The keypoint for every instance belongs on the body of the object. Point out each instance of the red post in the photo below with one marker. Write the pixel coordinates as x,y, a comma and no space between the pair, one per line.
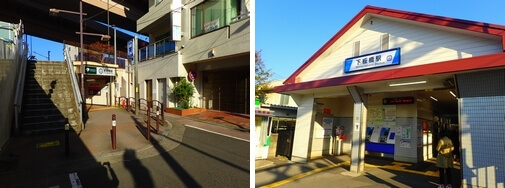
123,103
148,121
113,131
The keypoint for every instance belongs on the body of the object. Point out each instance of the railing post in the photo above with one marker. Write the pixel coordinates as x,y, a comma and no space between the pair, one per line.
163,112
148,122
67,145
157,118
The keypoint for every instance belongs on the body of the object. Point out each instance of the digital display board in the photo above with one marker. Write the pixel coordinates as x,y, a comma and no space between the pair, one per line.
398,100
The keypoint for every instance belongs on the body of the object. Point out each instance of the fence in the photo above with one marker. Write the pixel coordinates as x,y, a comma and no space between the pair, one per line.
151,109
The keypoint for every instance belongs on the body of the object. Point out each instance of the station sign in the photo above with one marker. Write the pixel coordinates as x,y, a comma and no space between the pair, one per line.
100,71
130,50
373,60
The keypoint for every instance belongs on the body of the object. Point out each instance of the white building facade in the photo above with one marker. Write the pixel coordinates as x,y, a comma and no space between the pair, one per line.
395,79
206,42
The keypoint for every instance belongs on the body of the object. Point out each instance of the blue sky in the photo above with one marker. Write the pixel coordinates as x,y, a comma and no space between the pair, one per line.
289,32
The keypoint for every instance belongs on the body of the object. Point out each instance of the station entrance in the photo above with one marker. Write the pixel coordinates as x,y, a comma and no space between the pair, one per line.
403,124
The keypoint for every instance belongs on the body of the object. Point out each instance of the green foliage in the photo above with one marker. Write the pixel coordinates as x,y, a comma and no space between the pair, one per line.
183,90
262,78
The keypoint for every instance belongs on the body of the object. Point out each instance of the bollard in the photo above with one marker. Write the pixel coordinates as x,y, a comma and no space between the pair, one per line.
148,122
157,119
67,145
113,131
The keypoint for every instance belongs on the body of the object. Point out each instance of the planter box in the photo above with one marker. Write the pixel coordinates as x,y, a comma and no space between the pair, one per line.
185,112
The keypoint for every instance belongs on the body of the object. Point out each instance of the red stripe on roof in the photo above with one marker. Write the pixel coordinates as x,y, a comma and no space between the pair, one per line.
424,18
467,64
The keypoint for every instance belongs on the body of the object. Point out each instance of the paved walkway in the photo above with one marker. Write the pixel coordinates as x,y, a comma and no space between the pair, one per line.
330,171
35,155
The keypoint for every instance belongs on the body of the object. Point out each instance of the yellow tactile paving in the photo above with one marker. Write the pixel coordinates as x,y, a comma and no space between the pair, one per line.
398,166
302,175
93,109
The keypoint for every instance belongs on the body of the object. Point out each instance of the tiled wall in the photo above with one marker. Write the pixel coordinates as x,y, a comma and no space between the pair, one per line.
482,128
483,141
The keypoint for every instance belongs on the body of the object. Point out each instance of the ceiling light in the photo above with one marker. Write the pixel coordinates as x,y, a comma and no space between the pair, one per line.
435,99
407,83
452,93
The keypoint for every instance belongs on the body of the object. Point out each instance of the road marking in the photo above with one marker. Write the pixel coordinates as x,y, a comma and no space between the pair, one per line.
305,174
74,180
216,132
47,144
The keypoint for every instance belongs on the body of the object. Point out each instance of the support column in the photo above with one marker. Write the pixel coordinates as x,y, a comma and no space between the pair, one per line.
359,128
302,142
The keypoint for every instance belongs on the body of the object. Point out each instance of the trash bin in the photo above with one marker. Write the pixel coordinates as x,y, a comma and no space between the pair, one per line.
337,146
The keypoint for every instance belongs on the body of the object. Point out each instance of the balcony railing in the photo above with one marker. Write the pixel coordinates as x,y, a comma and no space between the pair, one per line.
157,49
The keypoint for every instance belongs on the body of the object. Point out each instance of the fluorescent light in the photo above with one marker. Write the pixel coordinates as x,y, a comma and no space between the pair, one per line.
407,83
452,93
435,99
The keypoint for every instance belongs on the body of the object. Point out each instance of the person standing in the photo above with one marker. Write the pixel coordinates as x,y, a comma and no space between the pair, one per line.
445,160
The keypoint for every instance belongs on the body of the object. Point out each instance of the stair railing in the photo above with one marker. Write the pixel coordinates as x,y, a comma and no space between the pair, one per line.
21,54
75,87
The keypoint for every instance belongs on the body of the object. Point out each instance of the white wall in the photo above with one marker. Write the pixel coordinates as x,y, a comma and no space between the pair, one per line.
419,45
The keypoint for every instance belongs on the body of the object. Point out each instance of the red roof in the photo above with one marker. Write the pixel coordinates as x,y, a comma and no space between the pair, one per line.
424,18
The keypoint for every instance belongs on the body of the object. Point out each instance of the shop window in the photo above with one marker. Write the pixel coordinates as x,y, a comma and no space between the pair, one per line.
213,14
356,48
385,42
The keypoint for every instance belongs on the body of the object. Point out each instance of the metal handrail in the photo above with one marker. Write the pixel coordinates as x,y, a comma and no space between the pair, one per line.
21,57
75,86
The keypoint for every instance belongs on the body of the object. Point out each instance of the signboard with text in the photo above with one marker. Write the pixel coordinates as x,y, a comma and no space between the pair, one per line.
101,71
130,49
373,60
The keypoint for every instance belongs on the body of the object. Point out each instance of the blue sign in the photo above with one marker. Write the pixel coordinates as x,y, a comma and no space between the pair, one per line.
373,60
130,49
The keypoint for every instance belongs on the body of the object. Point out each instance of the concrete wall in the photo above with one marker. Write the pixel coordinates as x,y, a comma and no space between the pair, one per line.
8,75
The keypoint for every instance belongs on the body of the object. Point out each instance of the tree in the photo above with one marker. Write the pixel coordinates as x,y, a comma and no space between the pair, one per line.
262,78
183,91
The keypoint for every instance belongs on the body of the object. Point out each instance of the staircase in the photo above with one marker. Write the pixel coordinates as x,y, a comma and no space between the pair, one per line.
48,98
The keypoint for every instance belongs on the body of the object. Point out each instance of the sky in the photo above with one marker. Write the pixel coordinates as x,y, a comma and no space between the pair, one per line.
287,33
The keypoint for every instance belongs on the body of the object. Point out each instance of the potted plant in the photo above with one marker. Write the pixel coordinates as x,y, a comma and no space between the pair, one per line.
183,91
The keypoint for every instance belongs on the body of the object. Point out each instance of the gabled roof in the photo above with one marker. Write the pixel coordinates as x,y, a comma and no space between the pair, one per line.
480,27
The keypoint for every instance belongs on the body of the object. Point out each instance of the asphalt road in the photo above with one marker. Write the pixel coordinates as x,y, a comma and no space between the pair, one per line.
203,159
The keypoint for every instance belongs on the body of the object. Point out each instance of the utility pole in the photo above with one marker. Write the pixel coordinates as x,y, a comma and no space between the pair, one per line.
136,79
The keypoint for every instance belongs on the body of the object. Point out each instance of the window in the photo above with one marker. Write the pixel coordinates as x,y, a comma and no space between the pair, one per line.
384,41
356,48
284,100
212,15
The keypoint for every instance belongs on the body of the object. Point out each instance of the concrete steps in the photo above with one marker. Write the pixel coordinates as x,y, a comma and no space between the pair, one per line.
48,98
